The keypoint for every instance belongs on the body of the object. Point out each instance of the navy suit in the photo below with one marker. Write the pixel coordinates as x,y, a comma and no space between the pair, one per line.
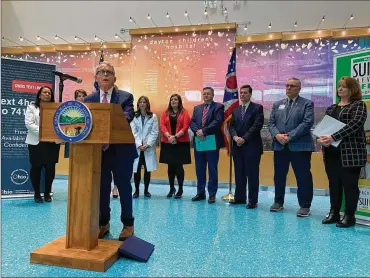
297,124
247,157
215,117
117,159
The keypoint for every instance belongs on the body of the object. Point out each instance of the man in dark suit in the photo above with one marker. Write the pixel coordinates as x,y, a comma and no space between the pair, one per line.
290,126
116,158
245,129
207,120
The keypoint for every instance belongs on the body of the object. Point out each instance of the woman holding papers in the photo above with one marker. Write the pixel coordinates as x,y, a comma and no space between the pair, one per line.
175,143
145,130
344,162
41,154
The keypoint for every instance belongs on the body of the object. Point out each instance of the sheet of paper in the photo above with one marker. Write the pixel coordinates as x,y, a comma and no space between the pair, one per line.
328,126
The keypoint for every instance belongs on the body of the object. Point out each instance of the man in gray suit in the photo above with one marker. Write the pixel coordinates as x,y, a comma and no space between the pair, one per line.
290,126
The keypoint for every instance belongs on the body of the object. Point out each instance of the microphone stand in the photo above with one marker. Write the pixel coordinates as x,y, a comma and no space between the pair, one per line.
61,88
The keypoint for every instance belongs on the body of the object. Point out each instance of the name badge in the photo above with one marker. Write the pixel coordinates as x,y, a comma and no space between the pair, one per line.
281,107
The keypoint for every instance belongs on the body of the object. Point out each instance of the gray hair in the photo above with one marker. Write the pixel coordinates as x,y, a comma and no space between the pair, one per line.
296,79
105,64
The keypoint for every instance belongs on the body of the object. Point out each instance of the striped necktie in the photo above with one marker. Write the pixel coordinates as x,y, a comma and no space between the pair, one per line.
243,111
204,116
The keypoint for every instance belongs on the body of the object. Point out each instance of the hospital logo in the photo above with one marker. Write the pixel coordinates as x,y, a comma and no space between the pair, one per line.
72,121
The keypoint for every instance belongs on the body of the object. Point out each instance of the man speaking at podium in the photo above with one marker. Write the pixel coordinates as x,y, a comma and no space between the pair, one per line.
116,158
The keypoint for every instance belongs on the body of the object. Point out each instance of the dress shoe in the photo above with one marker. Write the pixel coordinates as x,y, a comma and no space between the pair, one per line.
179,193
251,206
198,197
126,232
136,194
38,199
347,221
171,192
103,230
276,207
211,199
47,199
332,217
147,194
237,202
303,212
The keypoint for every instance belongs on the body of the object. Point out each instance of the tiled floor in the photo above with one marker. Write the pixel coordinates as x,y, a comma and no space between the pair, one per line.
197,239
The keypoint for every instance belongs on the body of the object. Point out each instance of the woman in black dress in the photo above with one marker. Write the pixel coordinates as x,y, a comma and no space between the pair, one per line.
41,154
175,143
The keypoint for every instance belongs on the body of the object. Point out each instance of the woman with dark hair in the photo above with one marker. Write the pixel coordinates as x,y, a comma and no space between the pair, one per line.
343,163
41,154
175,143
145,130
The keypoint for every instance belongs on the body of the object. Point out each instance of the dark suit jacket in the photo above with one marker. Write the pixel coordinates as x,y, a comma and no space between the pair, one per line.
297,124
215,117
249,128
353,144
126,100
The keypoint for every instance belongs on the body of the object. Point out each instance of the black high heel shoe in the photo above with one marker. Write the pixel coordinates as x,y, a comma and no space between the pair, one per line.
179,193
48,199
38,199
171,193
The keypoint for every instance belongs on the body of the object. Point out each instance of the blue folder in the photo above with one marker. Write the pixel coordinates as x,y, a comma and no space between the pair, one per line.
208,144
136,248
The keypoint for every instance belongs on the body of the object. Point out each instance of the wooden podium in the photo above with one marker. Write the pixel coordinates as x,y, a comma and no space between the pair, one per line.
81,248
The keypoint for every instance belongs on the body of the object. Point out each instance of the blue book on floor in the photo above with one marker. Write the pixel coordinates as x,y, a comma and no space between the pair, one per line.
136,248
208,144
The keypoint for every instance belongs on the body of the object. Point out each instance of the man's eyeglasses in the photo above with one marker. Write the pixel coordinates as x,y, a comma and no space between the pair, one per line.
105,72
291,86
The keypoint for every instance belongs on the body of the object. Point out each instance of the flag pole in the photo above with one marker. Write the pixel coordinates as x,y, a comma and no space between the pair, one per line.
229,197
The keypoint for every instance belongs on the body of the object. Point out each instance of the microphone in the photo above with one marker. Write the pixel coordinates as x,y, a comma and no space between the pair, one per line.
67,76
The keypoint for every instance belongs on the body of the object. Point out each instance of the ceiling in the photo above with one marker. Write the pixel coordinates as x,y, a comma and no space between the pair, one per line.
86,19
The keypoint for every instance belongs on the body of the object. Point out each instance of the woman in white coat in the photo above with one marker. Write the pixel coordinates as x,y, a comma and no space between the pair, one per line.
145,130
41,154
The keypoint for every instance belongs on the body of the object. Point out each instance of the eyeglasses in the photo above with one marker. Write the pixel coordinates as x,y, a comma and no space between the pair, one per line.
105,72
291,86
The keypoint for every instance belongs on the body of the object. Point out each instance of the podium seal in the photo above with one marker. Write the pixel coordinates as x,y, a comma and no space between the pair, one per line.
72,121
